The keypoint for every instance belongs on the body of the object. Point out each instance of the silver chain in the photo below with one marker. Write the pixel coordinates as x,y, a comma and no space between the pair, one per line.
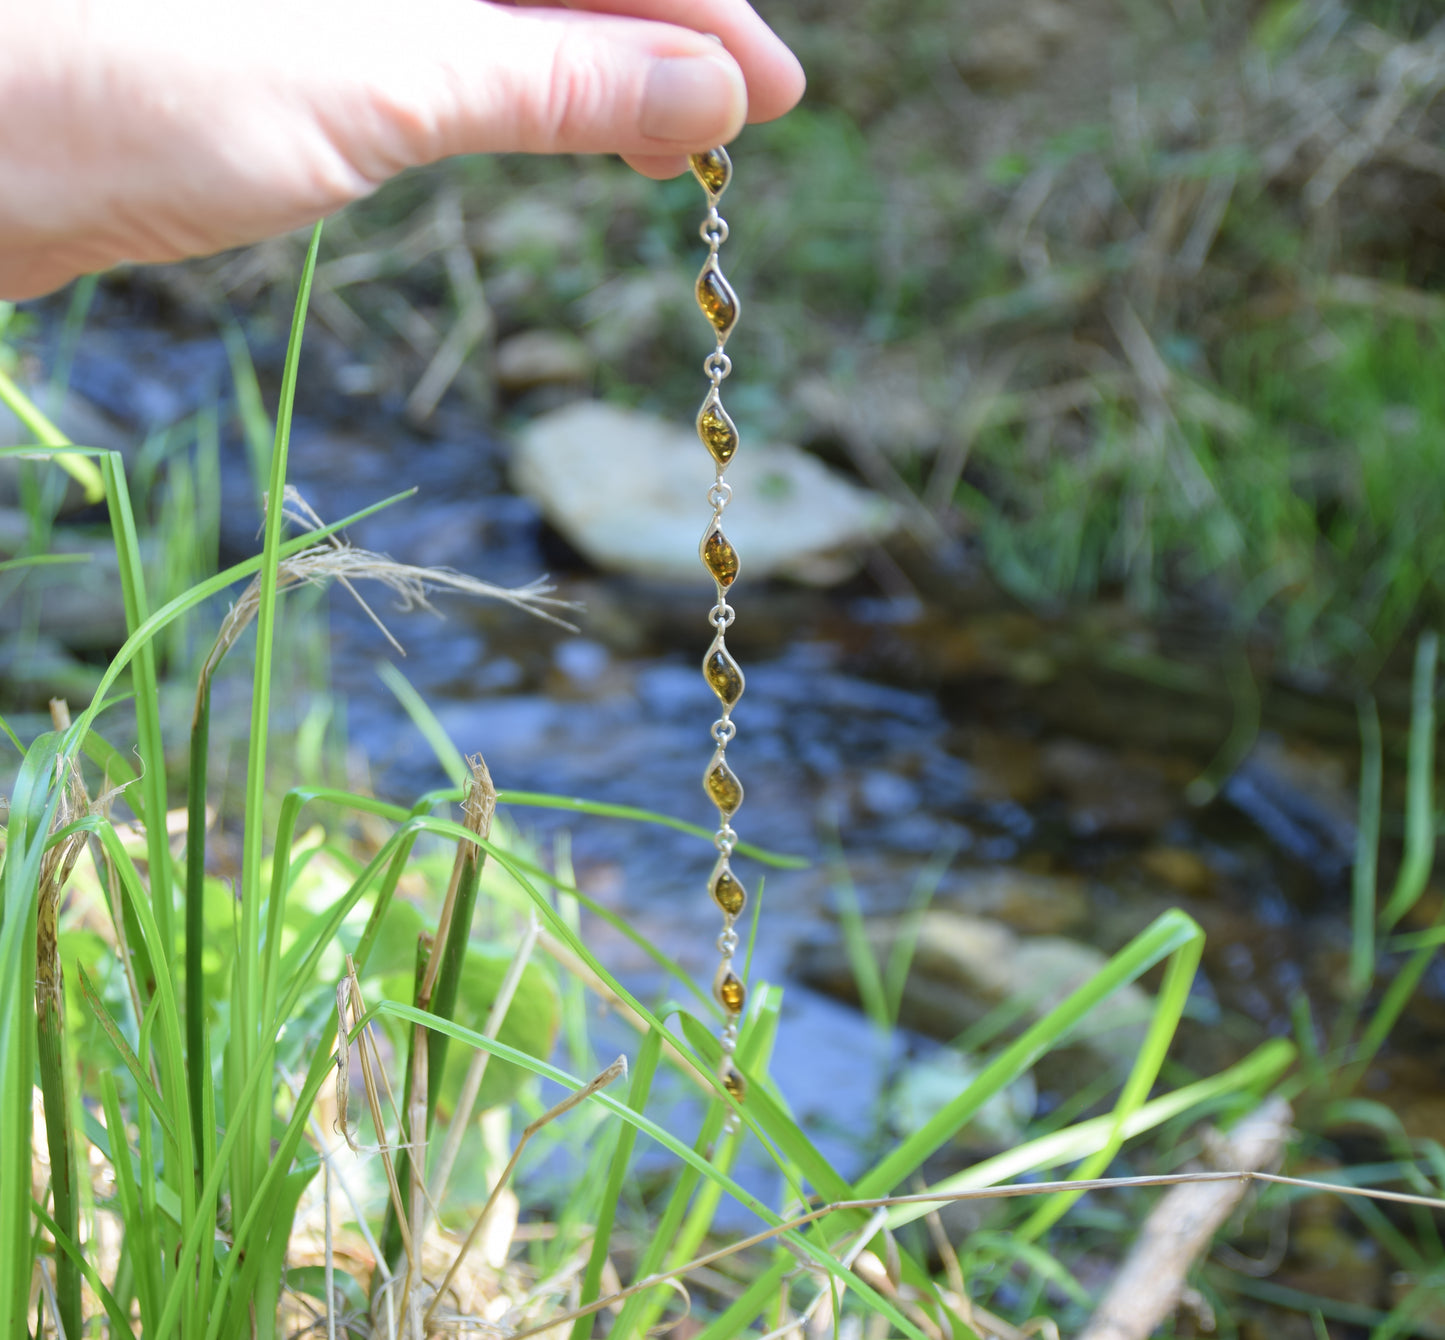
721,307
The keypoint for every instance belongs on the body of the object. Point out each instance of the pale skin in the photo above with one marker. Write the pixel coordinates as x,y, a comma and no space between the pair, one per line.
153,130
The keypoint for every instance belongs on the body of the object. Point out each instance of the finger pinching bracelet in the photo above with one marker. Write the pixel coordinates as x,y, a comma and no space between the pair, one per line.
720,436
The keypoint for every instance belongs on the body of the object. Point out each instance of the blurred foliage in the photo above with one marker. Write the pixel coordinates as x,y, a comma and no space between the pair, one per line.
1121,298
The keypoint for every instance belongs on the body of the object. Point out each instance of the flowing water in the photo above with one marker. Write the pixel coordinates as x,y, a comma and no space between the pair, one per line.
1056,771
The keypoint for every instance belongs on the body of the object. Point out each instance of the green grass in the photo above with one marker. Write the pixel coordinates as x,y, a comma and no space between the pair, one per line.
1291,464
218,1025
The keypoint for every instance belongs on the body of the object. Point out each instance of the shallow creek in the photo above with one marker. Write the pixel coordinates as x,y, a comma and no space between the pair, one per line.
1054,765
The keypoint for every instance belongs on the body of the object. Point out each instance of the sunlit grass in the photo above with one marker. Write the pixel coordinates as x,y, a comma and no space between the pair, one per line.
220,1019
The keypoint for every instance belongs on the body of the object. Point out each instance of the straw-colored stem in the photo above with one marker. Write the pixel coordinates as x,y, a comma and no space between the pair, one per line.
54,1089
616,1069
438,984
51,1049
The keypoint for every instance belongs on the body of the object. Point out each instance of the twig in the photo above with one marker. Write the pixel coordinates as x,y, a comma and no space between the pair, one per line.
825,1294
1008,1191
355,1005
615,1070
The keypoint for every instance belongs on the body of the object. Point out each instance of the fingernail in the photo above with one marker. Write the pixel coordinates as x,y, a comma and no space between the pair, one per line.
691,99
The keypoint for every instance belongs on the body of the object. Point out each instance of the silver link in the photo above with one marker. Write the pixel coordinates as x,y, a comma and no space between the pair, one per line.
714,230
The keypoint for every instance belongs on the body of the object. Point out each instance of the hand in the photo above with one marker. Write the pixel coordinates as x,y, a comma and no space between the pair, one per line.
151,130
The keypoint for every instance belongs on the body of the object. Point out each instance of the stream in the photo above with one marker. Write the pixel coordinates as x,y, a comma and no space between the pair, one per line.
1050,768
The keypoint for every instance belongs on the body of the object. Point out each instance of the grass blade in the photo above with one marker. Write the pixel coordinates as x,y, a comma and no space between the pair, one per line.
197,775
140,1227
147,699
150,1095
1257,1071
1170,934
252,1155
681,1244
425,720
56,1082
1420,788
859,948
75,464
1367,853
35,799
43,561
813,1250
119,1322
538,800
1169,1009
645,1069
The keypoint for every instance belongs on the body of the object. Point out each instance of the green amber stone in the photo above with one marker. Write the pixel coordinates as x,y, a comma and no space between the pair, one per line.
716,298
718,432
722,785
733,1081
726,889
714,169
722,673
731,994
719,557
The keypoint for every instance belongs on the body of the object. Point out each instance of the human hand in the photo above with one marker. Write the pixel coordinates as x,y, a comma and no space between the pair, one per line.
151,130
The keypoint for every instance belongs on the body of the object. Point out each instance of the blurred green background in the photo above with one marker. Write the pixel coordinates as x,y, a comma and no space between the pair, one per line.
1115,298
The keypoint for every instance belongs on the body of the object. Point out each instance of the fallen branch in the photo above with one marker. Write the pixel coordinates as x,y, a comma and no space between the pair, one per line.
1151,1281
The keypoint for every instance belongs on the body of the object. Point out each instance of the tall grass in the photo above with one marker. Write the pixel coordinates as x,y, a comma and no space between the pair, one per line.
212,1025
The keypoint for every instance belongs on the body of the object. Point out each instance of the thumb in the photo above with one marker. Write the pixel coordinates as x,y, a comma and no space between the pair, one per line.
479,78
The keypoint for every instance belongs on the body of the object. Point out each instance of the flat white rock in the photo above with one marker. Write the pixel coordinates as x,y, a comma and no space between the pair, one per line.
629,491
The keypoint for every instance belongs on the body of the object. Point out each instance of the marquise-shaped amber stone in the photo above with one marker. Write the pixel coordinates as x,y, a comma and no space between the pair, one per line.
714,169
723,674
726,889
731,994
718,432
733,1081
716,298
722,785
719,557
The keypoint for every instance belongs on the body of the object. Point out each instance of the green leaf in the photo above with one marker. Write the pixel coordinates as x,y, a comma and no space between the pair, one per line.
75,464
123,1049
311,1280
530,1026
